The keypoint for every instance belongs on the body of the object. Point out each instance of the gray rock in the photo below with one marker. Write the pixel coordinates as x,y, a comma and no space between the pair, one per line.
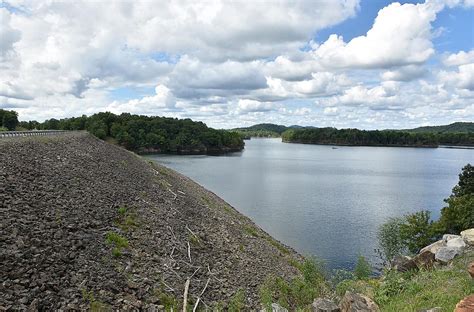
457,242
434,247
446,254
448,237
275,308
352,302
468,236
324,305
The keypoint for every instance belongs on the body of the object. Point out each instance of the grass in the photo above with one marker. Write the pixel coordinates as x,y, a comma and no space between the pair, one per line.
414,291
94,304
127,219
237,302
299,293
117,241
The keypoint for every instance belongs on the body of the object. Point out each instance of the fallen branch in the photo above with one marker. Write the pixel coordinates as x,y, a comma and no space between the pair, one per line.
200,295
185,300
192,233
175,195
189,252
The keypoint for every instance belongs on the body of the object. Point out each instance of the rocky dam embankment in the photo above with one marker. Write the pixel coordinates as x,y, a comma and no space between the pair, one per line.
86,224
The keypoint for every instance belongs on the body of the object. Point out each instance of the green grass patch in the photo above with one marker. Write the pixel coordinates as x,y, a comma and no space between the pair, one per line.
116,239
299,293
413,291
237,302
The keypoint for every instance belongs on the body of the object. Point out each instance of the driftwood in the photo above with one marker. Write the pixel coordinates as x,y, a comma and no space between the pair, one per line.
185,300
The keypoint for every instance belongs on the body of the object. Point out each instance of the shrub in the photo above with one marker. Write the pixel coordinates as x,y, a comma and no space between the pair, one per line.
362,270
389,239
416,230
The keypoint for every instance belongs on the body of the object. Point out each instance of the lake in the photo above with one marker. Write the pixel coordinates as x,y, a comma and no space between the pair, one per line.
325,201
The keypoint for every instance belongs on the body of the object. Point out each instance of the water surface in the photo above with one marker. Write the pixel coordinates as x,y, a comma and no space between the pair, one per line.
326,201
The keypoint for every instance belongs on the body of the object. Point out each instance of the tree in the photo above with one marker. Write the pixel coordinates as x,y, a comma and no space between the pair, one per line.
9,119
459,214
416,230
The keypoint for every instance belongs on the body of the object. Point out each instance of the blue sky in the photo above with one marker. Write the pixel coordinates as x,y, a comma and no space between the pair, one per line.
232,64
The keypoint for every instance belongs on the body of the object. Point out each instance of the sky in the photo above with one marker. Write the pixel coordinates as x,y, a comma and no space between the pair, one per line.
368,64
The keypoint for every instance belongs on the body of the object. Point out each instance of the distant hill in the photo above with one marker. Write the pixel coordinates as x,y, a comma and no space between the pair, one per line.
457,127
262,130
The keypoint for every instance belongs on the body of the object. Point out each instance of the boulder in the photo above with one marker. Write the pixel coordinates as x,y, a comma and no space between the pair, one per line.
468,236
448,237
352,302
275,308
470,269
457,242
324,305
434,247
424,260
465,305
446,254
403,264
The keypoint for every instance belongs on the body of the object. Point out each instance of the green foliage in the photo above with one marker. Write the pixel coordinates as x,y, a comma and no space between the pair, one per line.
122,210
300,291
392,284
8,119
375,137
237,302
389,239
456,127
416,231
363,269
157,134
459,214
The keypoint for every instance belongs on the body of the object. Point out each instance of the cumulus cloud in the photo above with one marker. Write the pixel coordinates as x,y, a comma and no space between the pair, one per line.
463,78
227,63
459,58
400,35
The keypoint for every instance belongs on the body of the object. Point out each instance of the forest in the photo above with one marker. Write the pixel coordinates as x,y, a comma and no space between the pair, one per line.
146,134
377,137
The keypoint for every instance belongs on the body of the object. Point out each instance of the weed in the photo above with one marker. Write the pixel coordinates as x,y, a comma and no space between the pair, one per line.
194,240
116,239
122,210
251,231
116,252
237,302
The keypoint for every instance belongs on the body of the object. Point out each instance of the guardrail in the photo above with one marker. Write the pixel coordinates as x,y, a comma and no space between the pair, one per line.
9,134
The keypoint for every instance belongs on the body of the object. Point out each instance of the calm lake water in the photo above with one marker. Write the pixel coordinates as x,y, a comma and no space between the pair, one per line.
323,201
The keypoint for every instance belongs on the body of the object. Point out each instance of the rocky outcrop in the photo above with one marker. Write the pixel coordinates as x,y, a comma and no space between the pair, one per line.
324,305
465,305
468,236
352,302
470,269
404,264
83,223
433,248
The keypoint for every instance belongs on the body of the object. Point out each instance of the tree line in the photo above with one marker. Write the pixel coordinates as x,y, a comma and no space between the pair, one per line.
148,134
376,137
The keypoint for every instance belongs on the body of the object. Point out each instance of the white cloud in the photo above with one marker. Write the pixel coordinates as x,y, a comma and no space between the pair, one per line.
226,63
401,35
459,58
245,106
149,105
463,78
404,73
